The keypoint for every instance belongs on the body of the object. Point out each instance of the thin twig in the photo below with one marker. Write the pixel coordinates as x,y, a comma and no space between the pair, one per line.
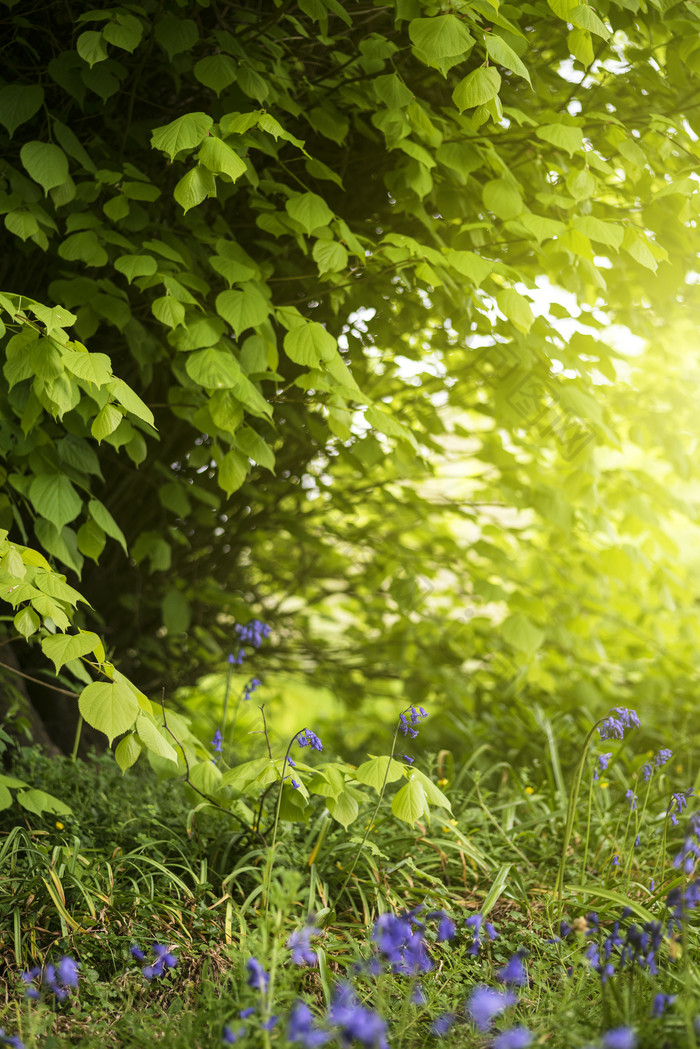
38,681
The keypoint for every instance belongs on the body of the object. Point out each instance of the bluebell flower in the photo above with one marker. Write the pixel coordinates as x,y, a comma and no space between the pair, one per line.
614,725
257,977
307,738
164,960
620,1038
690,851
647,770
295,784
253,633
637,842
299,943
515,1038
485,1003
663,757
603,762
356,1022
270,1023
442,1024
292,764
137,953
230,1036
418,995
402,945
631,799
446,929
10,1039
30,991
661,1003
408,759
475,922
513,972
250,687
245,1013
302,1028
217,740
616,861
68,972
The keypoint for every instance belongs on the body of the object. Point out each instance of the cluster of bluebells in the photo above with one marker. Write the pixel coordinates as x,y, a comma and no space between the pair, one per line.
678,803
401,944
299,943
476,922
250,687
59,980
164,960
690,852
614,725
601,765
649,767
407,725
259,980
307,738
253,633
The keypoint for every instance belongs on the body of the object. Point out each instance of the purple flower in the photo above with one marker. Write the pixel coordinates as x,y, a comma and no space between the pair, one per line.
270,1024
303,1029
245,1013
307,738
68,972
253,633
10,1039
442,1024
164,960
402,945
356,1022
513,972
603,762
299,943
661,1003
474,922
216,742
620,1038
257,977
230,1036
408,759
515,1038
484,1003
446,929
295,784
418,995
631,799
137,953
292,764
663,756
250,687
614,725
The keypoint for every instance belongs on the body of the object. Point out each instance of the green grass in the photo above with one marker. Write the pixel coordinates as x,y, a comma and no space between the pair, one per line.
141,862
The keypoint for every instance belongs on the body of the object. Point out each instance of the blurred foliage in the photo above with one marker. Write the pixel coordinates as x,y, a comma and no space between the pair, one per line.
354,283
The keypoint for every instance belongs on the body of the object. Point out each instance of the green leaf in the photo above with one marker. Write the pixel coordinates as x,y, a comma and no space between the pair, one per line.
27,622
243,309
184,133
91,540
218,157
124,32
101,516
39,802
410,803
130,400
439,37
581,47
581,184
499,51
478,88
522,634
176,611
55,498
309,344
194,187
136,266
84,247
61,648
153,740
330,256
563,136
432,792
233,470
45,163
214,369
584,17
516,308
604,232
18,104
109,706
251,444
91,47
205,776
372,772
127,751
344,809
105,422
503,198
168,311
470,265
216,72
91,367
176,35
309,210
